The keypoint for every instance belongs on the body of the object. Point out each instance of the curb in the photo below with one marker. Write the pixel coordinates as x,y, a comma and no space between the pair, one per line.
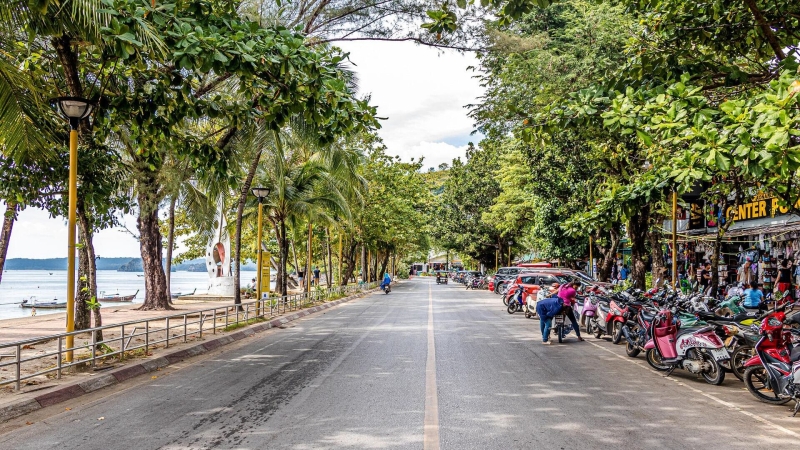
72,391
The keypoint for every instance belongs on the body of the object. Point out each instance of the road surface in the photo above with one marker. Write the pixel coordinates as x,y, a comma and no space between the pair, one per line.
427,366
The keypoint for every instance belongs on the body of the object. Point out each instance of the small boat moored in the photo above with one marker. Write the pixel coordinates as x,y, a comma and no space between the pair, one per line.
175,295
117,298
33,302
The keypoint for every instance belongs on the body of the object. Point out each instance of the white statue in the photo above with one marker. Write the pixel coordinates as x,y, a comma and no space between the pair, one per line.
218,259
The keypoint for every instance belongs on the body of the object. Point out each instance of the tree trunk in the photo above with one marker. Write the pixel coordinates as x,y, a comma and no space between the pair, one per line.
349,261
637,232
83,290
89,275
170,244
237,238
656,250
9,218
766,30
156,296
294,256
384,265
283,244
609,254
329,268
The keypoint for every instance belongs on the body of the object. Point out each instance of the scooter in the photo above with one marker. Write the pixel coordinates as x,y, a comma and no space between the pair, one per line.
387,288
561,327
515,300
530,303
588,312
608,320
772,375
636,331
699,351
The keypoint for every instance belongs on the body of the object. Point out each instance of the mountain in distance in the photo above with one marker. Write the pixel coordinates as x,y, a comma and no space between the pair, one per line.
118,264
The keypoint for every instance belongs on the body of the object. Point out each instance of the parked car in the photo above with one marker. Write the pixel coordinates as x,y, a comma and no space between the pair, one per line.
502,277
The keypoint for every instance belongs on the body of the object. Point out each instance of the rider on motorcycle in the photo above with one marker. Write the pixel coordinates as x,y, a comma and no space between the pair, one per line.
567,294
386,280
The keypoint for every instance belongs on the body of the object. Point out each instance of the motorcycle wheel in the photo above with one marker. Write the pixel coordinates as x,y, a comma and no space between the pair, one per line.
598,333
512,308
502,289
632,350
757,382
527,315
738,358
654,359
717,375
560,333
505,300
617,336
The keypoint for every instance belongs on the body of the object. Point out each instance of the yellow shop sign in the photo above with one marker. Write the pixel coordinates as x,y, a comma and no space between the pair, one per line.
759,207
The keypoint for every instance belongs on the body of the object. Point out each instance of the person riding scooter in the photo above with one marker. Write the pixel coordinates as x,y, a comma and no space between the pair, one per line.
387,280
547,309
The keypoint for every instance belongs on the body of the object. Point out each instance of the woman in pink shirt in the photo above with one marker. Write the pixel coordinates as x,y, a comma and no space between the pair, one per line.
567,294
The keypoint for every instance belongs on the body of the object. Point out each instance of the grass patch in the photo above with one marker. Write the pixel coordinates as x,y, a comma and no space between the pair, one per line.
244,323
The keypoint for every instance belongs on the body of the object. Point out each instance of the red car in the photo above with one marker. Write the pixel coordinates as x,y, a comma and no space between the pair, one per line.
531,281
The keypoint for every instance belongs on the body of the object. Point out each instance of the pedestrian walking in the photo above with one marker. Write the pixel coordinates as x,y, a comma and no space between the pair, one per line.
567,294
316,276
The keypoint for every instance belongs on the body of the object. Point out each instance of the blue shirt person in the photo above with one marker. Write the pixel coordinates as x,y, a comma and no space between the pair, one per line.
547,309
753,297
386,280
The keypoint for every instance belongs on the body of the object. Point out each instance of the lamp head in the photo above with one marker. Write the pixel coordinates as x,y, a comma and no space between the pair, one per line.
260,193
74,109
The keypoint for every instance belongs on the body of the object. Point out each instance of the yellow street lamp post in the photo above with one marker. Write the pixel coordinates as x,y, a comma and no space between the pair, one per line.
74,109
260,194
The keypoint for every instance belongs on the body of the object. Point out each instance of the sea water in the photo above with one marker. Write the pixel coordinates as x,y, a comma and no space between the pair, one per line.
46,285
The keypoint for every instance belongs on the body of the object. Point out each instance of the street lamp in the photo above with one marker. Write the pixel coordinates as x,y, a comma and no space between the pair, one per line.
260,194
74,109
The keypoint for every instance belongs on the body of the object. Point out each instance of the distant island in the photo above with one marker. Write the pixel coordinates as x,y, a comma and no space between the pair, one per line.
118,264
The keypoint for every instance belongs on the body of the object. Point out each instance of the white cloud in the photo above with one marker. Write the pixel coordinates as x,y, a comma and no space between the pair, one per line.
423,92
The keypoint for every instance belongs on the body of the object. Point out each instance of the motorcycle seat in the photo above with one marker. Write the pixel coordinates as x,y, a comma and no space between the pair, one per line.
689,330
604,307
648,316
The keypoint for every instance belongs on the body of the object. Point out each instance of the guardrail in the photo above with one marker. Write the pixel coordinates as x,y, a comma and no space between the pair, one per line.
149,333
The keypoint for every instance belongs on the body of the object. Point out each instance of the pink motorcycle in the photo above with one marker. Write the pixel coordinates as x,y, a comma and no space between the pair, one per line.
698,350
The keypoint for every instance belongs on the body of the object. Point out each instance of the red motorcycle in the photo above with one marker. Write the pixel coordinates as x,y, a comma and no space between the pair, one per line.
699,351
772,375
609,320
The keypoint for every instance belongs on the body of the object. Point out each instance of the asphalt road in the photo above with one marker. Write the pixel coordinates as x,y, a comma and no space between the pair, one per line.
425,366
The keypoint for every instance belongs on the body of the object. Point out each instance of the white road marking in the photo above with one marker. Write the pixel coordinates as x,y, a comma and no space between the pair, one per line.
704,394
431,427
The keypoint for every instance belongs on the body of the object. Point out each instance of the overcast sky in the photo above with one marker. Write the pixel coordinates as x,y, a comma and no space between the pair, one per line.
420,90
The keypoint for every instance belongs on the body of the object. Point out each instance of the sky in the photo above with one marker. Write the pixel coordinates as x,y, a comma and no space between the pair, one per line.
422,92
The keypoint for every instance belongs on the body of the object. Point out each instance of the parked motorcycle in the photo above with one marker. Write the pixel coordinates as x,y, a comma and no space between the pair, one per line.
772,375
699,351
608,320
515,301
561,327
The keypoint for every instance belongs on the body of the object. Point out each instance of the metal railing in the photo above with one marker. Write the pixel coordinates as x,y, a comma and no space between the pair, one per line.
139,336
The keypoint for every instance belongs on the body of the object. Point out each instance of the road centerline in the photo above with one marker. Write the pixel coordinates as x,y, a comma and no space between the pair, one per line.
431,423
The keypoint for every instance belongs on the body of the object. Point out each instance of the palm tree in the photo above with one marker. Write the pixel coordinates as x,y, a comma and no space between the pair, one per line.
302,188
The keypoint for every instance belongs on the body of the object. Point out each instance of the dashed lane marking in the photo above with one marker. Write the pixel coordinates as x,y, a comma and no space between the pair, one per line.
431,424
